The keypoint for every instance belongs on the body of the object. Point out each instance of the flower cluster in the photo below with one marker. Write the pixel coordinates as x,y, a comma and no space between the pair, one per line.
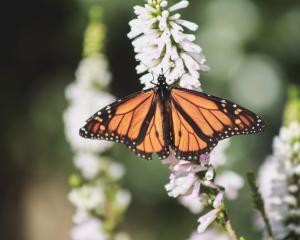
160,42
197,186
96,193
279,183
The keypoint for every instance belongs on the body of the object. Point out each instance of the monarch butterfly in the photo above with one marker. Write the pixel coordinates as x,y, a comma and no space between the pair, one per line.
153,120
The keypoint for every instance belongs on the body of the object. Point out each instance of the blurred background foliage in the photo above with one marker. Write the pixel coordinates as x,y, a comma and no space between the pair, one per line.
252,47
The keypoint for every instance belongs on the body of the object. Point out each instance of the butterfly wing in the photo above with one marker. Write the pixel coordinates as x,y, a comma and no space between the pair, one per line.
199,121
136,121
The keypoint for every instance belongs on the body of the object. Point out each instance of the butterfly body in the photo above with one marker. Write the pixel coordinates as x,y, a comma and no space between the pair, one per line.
164,117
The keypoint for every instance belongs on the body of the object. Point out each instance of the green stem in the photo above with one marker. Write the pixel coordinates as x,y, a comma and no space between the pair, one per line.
259,203
228,225
223,219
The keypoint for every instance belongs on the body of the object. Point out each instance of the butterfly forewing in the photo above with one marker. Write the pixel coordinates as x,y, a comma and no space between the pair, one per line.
136,121
209,118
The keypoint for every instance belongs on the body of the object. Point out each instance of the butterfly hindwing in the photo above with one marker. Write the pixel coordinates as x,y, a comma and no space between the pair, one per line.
188,140
205,120
154,141
136,121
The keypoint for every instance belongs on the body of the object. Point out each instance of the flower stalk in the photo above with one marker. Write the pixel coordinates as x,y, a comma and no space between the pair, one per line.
224,217
259,203
280,175
96,193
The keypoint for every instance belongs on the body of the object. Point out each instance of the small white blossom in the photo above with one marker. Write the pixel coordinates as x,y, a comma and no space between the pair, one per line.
116,170
87,197
89,230
88,163
160,42
210,174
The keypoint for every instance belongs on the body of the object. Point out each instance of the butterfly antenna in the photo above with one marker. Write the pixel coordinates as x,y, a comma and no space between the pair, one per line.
152,73
148,70
178,79
167,70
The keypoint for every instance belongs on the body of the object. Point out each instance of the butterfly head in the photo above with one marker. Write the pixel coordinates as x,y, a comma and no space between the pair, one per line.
161,80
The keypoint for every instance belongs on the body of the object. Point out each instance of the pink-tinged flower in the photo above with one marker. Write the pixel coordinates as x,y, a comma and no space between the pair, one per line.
207,219
217,155
193,201
89,230
180,184
171,160
232,183
183,177
194,204
218,200
205,159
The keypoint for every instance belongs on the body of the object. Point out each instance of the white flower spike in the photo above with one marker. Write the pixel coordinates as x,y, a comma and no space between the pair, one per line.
279,182
160,42
96,192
